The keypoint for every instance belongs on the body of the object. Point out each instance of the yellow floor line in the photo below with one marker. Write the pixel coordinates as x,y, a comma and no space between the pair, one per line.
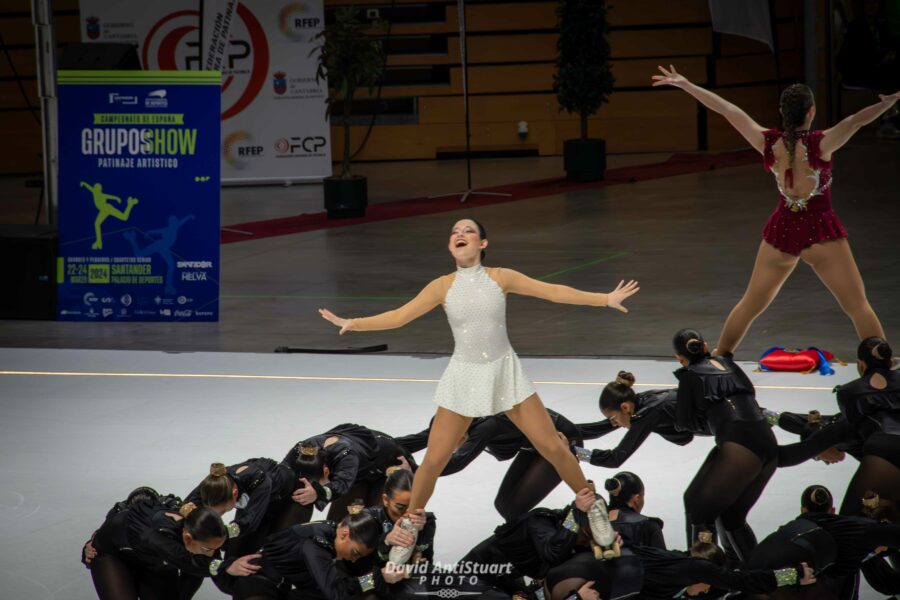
372,379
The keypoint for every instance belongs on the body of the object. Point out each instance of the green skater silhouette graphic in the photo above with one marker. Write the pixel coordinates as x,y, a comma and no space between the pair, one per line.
105,209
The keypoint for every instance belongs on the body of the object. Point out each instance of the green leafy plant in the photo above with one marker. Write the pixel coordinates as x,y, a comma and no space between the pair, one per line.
583,79
349,59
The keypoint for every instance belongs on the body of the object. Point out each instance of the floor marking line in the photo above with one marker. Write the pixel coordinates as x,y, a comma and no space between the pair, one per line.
347,378
581,266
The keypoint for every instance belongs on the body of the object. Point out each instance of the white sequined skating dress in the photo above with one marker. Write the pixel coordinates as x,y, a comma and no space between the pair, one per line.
484,376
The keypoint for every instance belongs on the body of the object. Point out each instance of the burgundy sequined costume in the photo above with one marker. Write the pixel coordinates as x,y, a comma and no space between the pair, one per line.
798,223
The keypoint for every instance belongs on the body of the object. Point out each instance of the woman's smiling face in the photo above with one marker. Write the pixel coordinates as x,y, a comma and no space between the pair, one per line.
465,242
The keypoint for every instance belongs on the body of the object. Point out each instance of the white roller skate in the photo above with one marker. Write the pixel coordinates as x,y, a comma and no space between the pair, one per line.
604,536
398,554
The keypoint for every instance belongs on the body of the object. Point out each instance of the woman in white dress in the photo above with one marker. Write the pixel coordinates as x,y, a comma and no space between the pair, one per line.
484,376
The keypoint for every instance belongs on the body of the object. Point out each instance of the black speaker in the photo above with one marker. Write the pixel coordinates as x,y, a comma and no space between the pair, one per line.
100,56
29,271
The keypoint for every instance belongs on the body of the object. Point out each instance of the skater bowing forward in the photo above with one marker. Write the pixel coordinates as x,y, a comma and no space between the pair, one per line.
484,376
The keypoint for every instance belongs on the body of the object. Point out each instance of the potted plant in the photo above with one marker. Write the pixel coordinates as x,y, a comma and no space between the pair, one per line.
349,59
583,81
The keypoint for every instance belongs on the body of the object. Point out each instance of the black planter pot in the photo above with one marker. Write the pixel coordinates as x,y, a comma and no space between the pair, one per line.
345,198
585,160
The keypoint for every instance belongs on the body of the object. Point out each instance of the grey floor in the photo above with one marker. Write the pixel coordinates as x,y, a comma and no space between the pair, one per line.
81,428
690,240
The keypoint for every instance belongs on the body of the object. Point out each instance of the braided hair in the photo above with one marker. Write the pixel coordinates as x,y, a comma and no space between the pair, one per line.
796,100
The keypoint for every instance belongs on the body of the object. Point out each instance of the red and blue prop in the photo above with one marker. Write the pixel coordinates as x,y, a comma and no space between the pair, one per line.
798,360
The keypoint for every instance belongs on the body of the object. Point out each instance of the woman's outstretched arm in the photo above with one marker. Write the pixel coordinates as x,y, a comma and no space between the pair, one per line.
513,282
840,134
747,127
432,295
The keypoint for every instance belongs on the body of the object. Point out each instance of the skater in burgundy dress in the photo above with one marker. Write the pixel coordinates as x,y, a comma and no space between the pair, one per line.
803,226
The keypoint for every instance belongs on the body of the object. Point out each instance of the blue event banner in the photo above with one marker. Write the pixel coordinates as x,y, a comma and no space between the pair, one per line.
138,196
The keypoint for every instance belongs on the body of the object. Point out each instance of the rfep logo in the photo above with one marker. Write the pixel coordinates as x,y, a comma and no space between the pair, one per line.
172,44
297,22
238,147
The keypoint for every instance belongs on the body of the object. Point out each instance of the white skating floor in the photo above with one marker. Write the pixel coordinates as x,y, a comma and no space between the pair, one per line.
79,429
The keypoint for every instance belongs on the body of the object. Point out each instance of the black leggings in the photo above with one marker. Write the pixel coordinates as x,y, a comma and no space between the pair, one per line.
369,493
883,572
530,478
879,471
116,579
730,482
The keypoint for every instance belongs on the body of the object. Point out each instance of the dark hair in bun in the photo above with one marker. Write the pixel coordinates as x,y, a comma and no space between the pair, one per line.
817,499
217,487
690,344
621,487
364,529
398,480
875,352
617,392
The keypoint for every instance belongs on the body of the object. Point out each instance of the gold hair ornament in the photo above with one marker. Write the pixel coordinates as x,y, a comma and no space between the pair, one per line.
309,450
871,502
